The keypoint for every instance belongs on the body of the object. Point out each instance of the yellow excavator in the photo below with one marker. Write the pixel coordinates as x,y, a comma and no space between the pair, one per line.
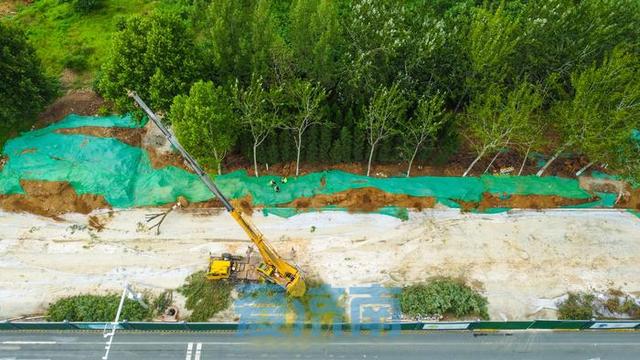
274,268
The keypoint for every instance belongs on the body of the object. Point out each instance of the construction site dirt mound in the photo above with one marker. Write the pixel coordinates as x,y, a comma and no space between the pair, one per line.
363,199
490,201
51,198
128,136
631,200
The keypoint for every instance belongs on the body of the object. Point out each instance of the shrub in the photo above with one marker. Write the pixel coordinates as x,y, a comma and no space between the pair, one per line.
96,308
443,296
577,306
86,6
205,298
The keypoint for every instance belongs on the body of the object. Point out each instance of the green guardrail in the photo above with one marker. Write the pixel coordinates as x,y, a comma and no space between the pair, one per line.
456,325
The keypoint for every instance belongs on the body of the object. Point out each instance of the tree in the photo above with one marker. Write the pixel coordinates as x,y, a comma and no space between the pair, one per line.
253,105
24,87
154,55
306,100
316,40
386,108
497,117
204,123
598,121
423,126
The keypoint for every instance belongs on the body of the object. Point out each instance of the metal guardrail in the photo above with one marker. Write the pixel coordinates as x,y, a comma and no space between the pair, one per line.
458,325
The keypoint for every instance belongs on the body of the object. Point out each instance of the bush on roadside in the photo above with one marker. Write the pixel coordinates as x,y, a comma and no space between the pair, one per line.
96,308
443,296
205,298
577,306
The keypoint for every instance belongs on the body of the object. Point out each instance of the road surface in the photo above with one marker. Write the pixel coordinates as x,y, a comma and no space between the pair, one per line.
413,345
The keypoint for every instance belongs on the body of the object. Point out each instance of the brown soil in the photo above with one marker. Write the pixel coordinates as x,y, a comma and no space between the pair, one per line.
632,201
521,202
3,161
81,102
96,223
128,136
8,7
160,160
51,198
364,199
244,204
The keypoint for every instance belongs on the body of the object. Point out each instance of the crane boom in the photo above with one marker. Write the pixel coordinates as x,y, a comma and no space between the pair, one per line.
275,268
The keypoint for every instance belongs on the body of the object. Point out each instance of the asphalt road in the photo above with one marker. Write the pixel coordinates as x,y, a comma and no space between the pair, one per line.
427,345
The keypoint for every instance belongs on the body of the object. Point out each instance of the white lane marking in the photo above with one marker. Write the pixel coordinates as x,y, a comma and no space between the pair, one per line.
29,342
189,351
198,350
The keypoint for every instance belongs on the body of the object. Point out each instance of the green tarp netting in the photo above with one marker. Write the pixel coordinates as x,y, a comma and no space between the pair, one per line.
124,176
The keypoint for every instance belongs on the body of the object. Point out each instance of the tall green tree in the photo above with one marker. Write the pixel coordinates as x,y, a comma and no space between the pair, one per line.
598,121
205,123
154,55
497,117
306,101
423,126
24,87
256,111
382,117
316,40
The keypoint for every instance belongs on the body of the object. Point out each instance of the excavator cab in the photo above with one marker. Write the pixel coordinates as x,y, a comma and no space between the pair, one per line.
221,267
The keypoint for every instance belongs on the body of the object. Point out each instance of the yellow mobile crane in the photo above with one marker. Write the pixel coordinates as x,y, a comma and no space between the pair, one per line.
274,268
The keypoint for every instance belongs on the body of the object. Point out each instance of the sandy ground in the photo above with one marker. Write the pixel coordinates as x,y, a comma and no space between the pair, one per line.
517,259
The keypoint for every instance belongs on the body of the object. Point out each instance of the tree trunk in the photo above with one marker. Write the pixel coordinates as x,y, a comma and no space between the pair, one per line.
491,163
474,162
373,146
579,172
299,146
524,161
218,161
555,156
255,160
412,158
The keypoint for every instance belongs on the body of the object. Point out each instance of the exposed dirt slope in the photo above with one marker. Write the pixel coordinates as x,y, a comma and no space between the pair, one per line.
364,199
51,198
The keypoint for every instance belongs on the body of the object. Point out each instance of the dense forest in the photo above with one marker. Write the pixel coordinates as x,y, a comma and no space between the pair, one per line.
335,81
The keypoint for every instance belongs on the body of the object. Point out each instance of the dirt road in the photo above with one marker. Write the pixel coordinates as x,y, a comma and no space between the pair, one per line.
514,258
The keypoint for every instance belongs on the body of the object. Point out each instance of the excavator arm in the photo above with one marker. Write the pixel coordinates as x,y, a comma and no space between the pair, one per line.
274,268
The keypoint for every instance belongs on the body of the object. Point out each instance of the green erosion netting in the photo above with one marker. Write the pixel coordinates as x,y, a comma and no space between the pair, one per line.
124,176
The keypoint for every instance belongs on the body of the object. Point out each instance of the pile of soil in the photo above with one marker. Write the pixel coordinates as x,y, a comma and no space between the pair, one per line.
128,136
631,200
364,199
521,202
81,102
51,198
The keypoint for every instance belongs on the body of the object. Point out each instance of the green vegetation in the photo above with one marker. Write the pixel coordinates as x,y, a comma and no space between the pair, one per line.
205,298
578,306
204,123
96,308
444,296
370,80
59,32
587,306
24,89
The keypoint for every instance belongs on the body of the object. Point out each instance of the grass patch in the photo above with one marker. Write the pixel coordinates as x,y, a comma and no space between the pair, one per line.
64,37
443,297
205,298
96,308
